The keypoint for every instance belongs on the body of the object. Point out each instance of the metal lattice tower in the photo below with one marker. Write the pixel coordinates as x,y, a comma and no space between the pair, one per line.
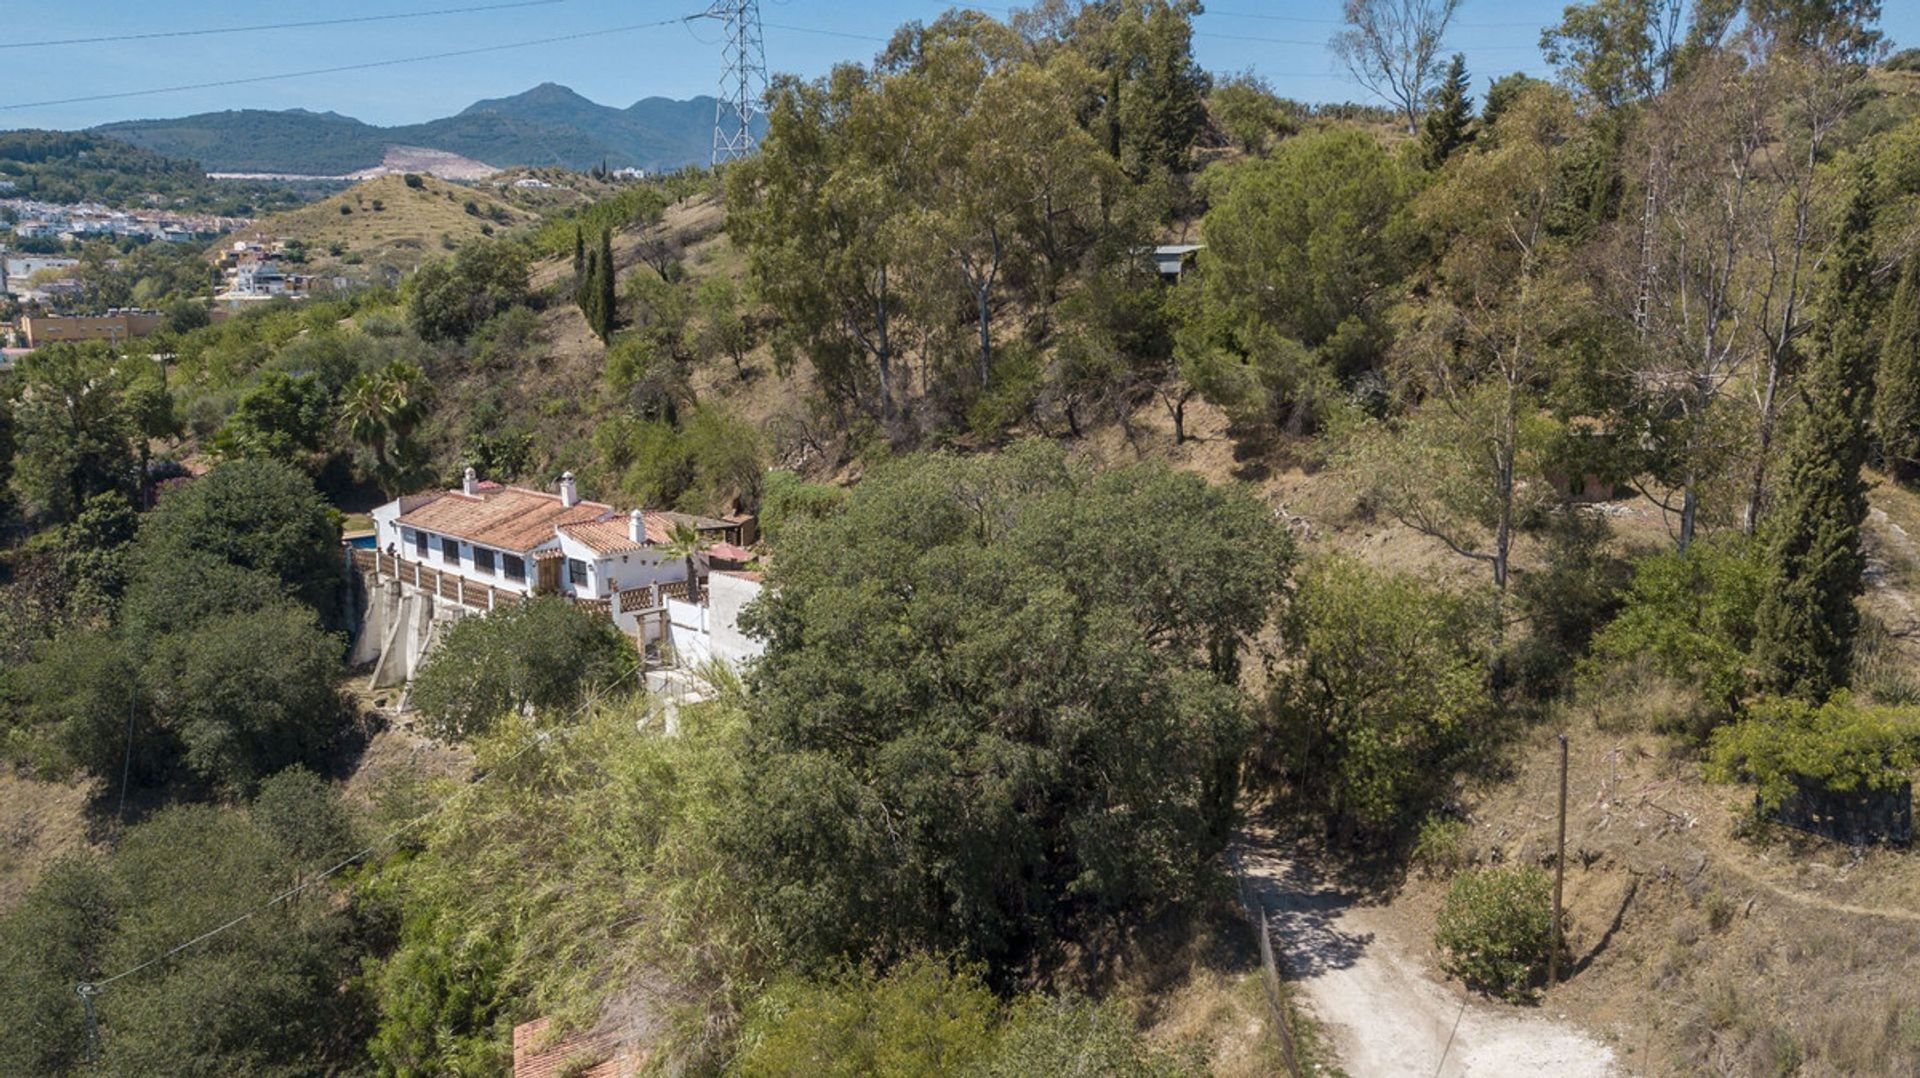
743,82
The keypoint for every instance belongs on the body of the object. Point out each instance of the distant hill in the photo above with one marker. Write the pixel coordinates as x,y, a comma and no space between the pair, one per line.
387,224
78,166
547,125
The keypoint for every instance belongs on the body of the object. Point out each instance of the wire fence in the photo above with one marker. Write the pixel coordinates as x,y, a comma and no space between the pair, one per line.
1269,971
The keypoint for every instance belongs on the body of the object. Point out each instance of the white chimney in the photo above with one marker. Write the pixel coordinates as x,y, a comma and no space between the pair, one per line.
569,494
470,482
637,527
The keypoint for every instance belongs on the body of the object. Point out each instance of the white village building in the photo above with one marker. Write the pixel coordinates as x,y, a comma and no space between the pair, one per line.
443,555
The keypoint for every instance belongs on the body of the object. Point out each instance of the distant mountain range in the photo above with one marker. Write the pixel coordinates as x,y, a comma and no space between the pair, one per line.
547,125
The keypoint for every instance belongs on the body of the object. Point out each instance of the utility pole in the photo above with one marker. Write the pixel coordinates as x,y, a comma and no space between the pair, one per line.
1559,871
743,79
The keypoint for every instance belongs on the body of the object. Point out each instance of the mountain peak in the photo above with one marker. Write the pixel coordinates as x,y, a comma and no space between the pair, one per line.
547,95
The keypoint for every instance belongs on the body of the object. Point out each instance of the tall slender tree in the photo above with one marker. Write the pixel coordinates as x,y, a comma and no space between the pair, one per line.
1896,402
1449,125
605,303
1807,621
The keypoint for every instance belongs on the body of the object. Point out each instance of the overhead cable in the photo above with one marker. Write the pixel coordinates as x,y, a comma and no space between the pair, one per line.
309,24
344,67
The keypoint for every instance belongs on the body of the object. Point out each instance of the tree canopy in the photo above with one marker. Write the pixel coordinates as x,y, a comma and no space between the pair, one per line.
1031,671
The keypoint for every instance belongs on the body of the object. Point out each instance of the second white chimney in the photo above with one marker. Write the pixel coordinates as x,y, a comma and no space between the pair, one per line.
470,482
569,494
637,526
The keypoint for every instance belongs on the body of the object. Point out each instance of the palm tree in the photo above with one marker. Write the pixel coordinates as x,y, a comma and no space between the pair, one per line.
382,409
363,407
406,391
683,541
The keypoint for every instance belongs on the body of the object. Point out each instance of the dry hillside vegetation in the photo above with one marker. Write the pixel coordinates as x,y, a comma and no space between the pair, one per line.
389,224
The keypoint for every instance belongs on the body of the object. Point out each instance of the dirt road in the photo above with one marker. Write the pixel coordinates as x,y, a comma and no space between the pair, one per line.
1385,1013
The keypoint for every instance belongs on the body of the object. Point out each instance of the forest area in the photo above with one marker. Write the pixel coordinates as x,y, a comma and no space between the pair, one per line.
1494,409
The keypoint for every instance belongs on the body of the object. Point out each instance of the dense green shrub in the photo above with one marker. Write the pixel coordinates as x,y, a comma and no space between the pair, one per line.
259,515
786,499
452,299
923,1017
1573,596
1384,698
1689,617
1838,745
249,693
602,826
1495,929
1440,845
544,655
276,994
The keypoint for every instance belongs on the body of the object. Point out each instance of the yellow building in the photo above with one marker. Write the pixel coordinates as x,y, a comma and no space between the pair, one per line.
112,327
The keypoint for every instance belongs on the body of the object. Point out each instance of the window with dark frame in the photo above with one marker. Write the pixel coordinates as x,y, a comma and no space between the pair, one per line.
419,544
513,566
450,550
483,561
577,572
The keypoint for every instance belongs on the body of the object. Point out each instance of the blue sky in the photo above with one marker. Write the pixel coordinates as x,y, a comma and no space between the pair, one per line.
1283,41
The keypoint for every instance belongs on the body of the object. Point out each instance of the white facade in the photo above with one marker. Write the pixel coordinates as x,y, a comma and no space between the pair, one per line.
588,574
585,573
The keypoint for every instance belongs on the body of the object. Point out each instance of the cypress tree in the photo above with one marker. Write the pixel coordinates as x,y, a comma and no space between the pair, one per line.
586,295
606,305
579,257
1807,621
1449,123
1896,401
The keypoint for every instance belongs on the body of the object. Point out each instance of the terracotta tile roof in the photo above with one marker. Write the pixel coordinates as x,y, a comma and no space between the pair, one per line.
509,518
611,537
566,1055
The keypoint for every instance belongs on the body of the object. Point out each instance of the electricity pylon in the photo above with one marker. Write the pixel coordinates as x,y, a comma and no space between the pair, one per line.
743,82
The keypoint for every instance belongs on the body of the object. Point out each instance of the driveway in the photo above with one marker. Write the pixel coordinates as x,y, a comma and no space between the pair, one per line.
1385,1013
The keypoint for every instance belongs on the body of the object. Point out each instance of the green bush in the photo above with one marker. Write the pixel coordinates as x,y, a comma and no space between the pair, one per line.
1689,617
925,1018
543,655
786,499
1838,745
1384,700
1495,929
1440,845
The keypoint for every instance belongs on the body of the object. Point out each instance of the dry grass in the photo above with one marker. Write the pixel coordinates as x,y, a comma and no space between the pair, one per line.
1696,951
40,822
412,225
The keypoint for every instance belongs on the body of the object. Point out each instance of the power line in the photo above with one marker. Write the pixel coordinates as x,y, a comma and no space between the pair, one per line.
276,25
345,67
823,33
1342,22
1323,44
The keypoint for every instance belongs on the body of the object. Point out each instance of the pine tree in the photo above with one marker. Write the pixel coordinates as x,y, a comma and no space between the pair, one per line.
606,305
1807,620
1896,402
1449,123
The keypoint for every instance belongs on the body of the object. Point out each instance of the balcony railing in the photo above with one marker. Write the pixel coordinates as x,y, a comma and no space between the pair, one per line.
478,596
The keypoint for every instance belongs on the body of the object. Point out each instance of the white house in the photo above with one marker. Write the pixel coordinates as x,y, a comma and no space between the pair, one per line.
507,537
445,554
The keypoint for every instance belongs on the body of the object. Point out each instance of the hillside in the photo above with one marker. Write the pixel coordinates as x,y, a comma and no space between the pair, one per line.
384,223
547,125
61,166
